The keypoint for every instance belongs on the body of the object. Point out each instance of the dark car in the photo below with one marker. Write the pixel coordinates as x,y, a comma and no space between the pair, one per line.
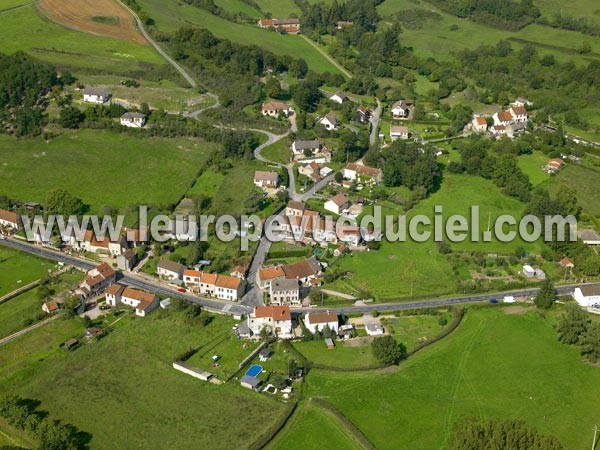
494,301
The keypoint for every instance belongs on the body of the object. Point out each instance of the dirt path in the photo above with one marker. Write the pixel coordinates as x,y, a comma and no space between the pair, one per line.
102,17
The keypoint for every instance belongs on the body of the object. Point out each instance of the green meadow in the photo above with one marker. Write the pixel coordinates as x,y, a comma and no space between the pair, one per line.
281,9
127,376
313,427
171,15
101,167
238,6
279,152
18,269
585,182
28,30
495,365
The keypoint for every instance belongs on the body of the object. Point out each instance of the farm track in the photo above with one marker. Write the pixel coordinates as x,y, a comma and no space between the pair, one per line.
78,14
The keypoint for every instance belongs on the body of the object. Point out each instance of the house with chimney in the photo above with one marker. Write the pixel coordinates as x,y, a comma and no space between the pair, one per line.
330,121
402,109
9,222
275,108
276,320
357,172
399,132
133,120
266,179
143,302
96,281
224,287
317,322
337,204
289,26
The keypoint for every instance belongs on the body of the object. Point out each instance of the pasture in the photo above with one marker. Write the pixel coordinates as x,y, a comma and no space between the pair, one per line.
279,152
171,15
238,6
129,373
102,168
585,182
69,48
313,427
18,269
495,365
281,9
532,165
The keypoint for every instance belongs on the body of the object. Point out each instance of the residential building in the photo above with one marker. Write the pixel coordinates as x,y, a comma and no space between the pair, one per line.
310,170
540,274
290,26
374,329
588,296
126,262
284,292
363,114
300,147
479,124
224,287
337,204
133,120
498,130
567,263
264,179
319,321
50,307
589,237
10,220
143,302
97,280
330,121
95,95
502,118
170,269
274,108
520,101
402,108
339,97
302,271
295,208
398,132
356,172
518,114
265,276
512,129
340,24
229,288
105,245
277,320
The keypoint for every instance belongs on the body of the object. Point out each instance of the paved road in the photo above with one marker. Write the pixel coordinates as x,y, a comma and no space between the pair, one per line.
375,118
222,306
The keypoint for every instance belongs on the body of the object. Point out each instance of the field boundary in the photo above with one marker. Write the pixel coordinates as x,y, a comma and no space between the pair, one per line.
328,57
274,430
19,291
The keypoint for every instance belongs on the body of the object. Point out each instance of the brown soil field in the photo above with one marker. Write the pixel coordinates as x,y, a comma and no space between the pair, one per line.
103,17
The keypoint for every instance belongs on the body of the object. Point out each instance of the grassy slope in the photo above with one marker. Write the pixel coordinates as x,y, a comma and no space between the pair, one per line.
279,8
278,152
113,163
494,365
584,180
532,165
51,42
127,378
170,15
16,266
313,427
238,6
437,40
573,8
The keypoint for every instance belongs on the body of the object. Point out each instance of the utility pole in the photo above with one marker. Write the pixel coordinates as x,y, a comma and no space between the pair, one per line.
595,433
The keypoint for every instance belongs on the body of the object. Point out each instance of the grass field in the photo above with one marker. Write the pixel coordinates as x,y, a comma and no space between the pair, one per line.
576,8
313,427
278,152
281,9
51,42
128,375
170,15
18,269
532,165
343,355
585,182
101,167
494,365
438,40
238,6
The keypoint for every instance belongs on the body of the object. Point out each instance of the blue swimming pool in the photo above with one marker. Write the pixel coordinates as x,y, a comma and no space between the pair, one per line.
254,370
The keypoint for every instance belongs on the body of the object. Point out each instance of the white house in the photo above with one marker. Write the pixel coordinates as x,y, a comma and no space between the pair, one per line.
528,271
338,97
398,132
133,120
588,296
337,204
374,329
498,130
224,287
295,208
318,321
357,172
284,292
540,274
266,179
502,118
143,302
274,108
50,307
170,269
10,220
401,109
277,320
330,121
479,124
520,101
518,114
229,288
95,95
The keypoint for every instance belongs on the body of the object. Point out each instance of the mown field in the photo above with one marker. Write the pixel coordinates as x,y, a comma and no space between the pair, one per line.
128,373
171,15
101,167
279,152
18,269
495,365
585,182
313,427
28,30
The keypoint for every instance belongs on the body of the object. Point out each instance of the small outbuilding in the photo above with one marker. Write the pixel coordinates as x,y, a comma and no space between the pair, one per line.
249,382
